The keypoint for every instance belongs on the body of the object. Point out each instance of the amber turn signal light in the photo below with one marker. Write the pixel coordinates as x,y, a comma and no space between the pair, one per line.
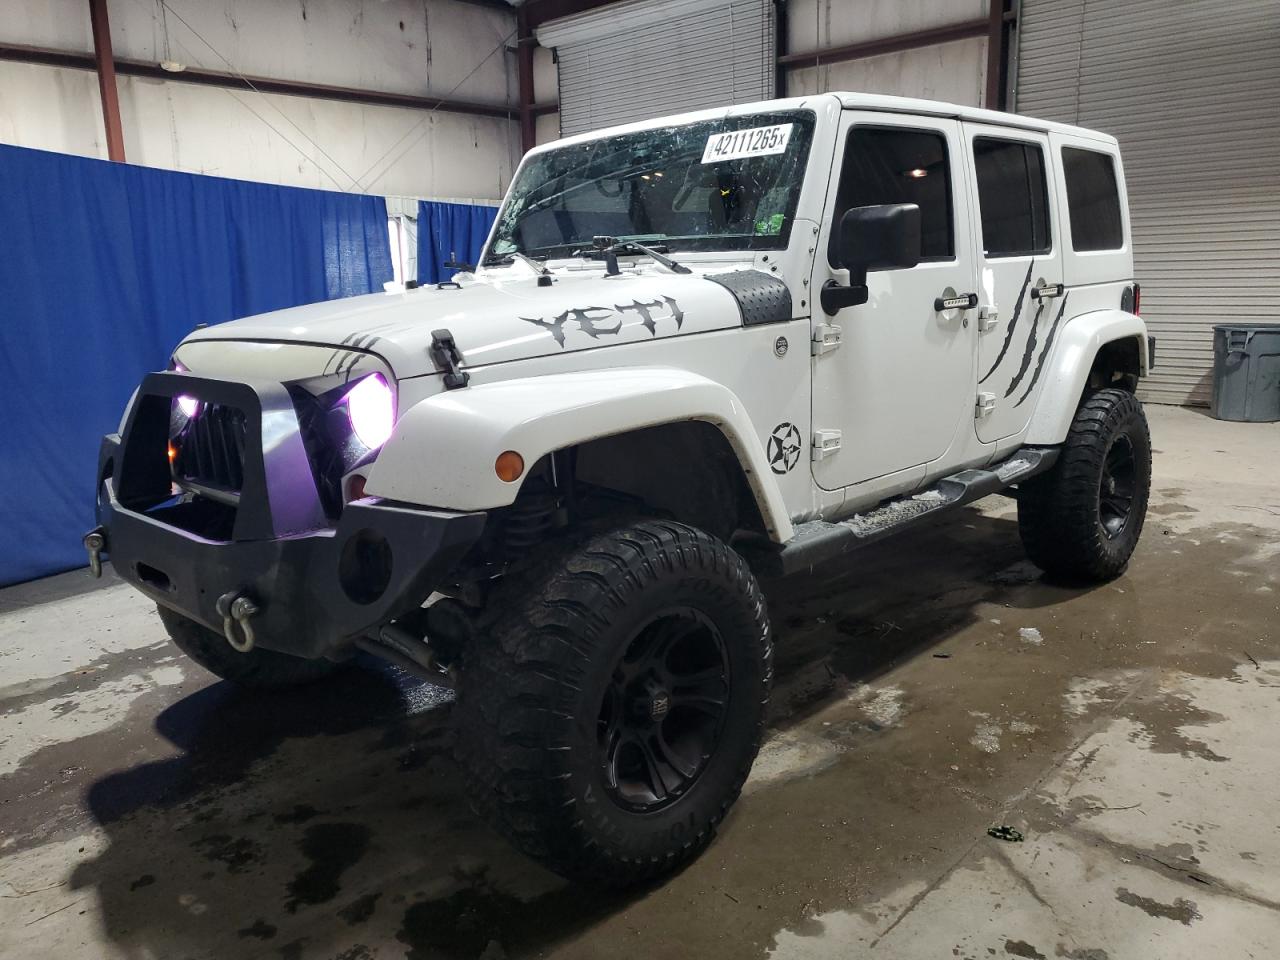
509,466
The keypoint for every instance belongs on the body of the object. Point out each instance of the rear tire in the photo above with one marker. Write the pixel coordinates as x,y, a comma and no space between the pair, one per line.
1082,519
612,703
258,669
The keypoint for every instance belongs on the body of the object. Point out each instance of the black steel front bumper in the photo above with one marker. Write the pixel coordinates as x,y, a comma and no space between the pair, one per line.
316,585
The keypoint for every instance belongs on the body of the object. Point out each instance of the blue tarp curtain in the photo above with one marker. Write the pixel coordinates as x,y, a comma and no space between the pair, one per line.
104,267
446,230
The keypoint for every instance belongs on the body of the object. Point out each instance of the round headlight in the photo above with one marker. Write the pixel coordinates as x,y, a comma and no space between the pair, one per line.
371,408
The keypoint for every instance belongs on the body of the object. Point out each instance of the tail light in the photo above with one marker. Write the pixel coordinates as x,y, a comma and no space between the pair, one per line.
1131,299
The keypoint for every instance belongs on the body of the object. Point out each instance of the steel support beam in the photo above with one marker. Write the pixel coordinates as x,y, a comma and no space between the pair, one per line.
997,44
781,41
104,63
525,42
872,48
540,11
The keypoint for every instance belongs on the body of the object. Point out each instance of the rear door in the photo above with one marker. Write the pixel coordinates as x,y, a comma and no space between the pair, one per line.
1021,299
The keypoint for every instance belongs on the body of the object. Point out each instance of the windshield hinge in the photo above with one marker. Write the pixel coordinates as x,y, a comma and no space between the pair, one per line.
447,357
826,337
986,402
825,443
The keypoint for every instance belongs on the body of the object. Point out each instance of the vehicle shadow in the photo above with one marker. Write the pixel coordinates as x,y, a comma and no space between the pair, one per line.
324,821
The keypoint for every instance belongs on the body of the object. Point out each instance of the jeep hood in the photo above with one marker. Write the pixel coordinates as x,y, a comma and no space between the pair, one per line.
498,320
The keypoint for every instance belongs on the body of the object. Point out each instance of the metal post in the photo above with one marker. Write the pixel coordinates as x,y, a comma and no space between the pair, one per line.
994,99
525,42
780,43
106,65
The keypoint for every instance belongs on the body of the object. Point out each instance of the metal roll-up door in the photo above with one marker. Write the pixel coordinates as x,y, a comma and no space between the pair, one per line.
644,59
1190,91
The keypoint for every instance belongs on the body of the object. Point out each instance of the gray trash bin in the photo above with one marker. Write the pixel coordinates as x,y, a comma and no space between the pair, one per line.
1246,372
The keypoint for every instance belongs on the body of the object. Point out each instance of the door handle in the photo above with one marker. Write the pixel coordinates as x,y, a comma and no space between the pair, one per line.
963,301
1047,291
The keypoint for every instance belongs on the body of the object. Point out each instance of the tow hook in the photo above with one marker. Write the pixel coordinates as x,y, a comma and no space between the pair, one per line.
236,611
95,541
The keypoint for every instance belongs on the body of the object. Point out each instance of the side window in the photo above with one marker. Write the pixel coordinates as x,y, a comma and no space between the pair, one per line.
1013,197
1093,200
889,165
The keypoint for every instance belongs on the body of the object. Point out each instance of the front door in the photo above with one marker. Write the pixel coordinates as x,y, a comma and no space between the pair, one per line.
1021,300
899,387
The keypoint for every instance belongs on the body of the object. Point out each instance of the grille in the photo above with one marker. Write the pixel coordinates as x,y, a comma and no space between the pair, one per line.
210,448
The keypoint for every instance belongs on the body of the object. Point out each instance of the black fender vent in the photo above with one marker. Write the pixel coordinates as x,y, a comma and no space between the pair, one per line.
762,297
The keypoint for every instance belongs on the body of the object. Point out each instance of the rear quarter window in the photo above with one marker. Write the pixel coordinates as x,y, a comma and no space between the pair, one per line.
1093,200
1013,197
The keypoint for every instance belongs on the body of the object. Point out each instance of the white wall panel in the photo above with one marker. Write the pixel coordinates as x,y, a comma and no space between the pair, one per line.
402,46
812,24
242,134
48,108
954,72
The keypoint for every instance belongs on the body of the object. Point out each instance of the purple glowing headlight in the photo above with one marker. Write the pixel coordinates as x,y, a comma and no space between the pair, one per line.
188,405
372,411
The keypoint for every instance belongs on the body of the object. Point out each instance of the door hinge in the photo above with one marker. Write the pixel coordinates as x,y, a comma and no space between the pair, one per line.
826,337
988,318
825,443
985,404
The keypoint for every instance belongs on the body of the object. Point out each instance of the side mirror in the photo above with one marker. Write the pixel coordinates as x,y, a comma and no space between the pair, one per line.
881,237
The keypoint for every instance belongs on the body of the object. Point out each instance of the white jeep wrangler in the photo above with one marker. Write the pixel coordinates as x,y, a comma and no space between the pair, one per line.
696,350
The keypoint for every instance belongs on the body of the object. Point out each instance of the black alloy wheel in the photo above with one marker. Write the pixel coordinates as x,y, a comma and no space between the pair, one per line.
1115,492
663,710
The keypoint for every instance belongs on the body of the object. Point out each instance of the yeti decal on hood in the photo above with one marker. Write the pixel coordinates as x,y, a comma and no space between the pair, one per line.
596,322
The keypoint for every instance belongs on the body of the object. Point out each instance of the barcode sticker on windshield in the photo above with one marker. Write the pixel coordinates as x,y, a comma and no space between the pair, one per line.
756,142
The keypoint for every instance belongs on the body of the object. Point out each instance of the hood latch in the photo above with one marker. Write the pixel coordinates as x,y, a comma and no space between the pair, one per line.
447,357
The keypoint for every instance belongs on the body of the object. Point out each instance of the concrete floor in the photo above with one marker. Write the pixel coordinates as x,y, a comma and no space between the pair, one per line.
932,688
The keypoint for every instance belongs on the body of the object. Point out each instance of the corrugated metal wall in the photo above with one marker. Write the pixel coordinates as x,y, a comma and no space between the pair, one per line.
1192,90
645,59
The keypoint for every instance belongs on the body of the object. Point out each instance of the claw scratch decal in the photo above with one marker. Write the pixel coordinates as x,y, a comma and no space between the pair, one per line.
1044,354
350,357
1028,353
593,321
1013,322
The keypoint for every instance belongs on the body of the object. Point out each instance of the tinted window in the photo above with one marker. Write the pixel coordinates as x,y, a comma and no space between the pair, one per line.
883,165
1093,200
1012,196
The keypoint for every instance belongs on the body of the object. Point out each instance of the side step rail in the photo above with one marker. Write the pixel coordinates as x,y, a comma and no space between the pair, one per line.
817,541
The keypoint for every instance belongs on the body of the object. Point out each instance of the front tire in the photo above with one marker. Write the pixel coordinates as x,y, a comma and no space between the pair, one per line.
1082,519
613,703
258,669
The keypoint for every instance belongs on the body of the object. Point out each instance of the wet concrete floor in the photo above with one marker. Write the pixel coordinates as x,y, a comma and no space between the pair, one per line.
929,689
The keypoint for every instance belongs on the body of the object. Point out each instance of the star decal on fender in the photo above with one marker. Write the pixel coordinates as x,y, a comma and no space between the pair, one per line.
784,447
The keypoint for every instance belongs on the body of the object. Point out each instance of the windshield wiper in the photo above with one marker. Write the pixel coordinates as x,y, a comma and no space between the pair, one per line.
541,269
608,249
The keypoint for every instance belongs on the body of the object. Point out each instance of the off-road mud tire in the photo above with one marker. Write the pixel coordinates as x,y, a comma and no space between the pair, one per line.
535,674
258,669
1059,514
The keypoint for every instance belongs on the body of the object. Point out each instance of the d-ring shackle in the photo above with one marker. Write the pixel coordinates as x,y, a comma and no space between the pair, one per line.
236,611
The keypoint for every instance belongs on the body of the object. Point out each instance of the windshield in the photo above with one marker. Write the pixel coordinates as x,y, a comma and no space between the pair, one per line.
725,184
